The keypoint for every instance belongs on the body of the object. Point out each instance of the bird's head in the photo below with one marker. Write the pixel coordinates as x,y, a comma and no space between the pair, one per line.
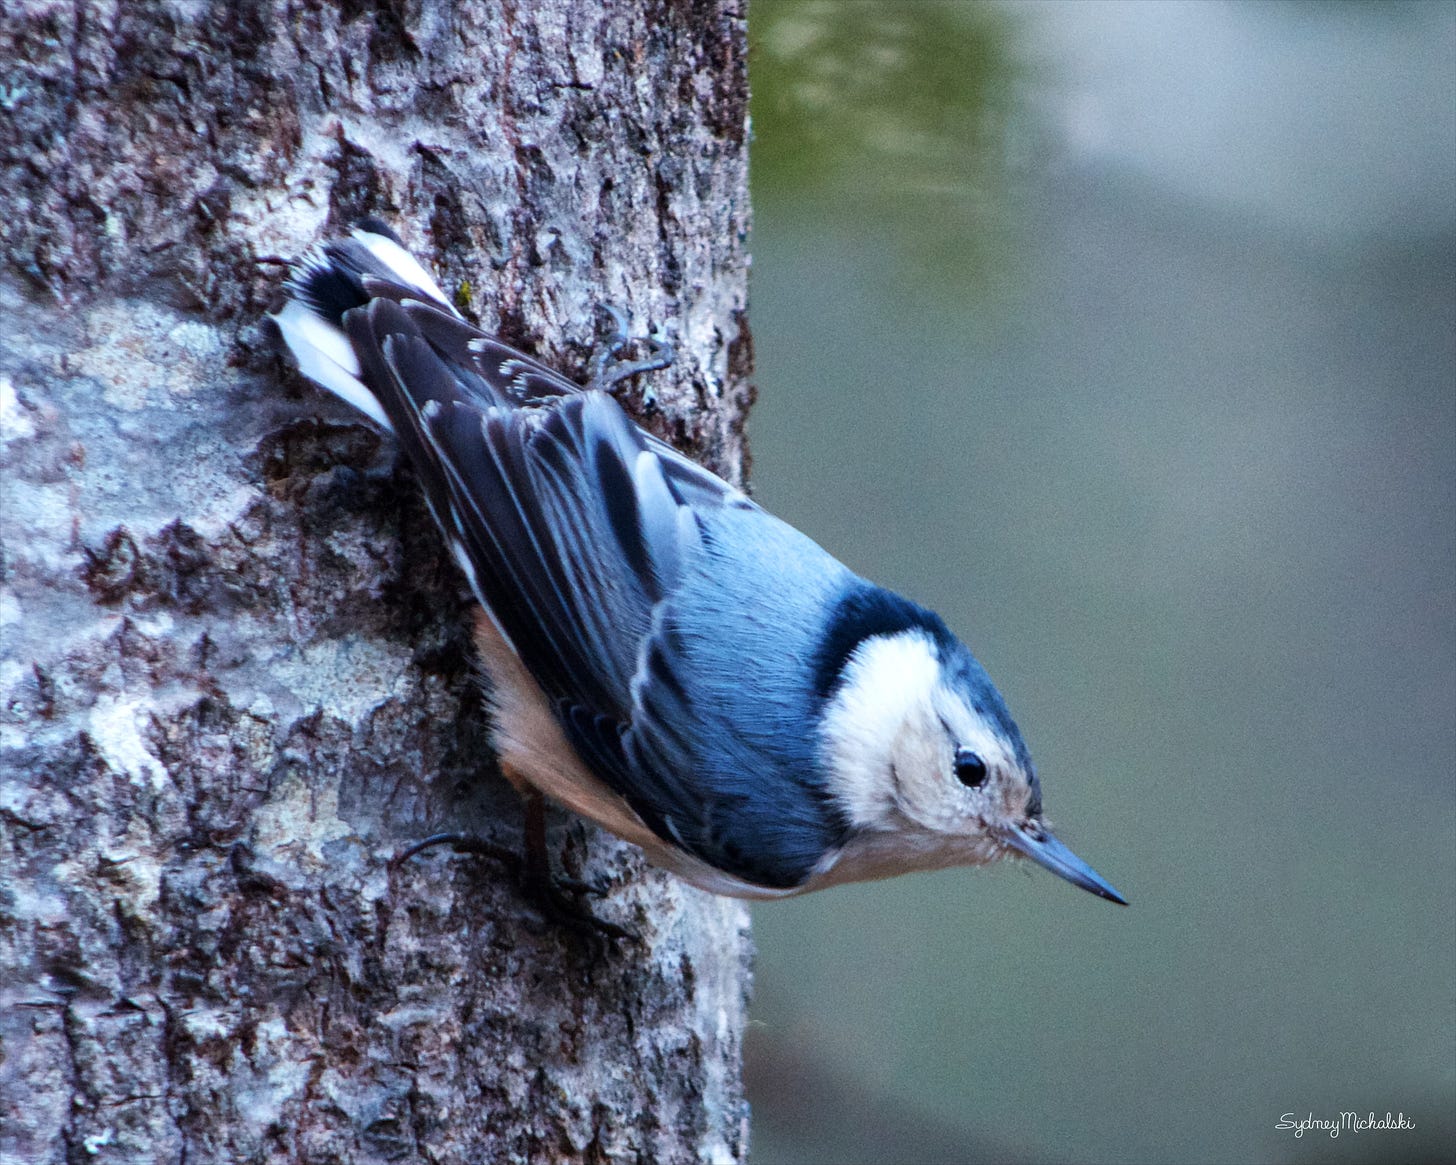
926,758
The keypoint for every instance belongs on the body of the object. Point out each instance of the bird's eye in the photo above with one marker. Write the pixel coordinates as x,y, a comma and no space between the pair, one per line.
970,769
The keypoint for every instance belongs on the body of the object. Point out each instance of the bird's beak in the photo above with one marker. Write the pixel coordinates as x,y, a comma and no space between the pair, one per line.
1041,846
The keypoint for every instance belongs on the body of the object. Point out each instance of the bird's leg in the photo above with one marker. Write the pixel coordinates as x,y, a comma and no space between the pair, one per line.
549,889
538,856
552,894
607,370
607,351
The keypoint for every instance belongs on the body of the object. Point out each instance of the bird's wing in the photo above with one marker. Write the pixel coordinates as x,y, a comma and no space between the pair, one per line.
531,505
575,528
509,377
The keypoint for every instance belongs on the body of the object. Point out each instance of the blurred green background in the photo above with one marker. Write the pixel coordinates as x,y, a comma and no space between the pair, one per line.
1125,336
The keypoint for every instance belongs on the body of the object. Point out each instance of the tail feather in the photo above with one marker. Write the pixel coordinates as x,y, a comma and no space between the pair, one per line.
326,357
346,297
334,279
335,276
395,264
328,282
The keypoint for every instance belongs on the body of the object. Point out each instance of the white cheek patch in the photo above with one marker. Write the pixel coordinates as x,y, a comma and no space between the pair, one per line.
890,680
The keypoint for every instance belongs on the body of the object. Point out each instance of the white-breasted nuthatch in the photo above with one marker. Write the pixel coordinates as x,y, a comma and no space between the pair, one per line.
665,657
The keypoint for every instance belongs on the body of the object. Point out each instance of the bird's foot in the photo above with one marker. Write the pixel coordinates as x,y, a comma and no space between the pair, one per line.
607,369
558,898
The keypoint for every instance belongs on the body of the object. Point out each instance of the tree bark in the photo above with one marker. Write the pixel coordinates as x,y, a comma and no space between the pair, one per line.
235,677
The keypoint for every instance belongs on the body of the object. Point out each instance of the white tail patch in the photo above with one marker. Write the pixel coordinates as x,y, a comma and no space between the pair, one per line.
404,267
326,357
312,330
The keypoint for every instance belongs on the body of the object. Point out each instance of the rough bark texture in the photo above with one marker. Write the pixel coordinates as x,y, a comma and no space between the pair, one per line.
235,677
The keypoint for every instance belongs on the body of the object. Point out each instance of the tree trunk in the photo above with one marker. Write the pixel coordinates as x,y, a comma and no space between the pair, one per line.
235,677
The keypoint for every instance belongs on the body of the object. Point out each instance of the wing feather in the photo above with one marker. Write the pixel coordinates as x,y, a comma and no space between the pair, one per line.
588,541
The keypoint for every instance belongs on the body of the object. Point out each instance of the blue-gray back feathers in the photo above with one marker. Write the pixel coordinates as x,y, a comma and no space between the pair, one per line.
626,577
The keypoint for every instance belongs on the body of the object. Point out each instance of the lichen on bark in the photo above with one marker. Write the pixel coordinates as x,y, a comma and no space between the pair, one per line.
234,674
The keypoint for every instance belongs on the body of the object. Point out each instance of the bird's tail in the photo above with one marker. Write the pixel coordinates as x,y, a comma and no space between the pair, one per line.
335,278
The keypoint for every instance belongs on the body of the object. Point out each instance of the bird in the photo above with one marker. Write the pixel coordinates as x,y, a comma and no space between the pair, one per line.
663,656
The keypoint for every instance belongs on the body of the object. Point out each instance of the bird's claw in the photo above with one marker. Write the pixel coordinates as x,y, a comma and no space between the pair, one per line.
608,370
558,897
